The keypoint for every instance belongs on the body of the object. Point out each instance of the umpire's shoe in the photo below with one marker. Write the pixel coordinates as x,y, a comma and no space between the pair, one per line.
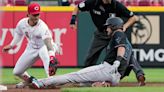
141,80
37,84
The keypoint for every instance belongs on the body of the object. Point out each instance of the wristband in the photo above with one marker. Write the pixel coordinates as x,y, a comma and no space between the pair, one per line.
119,58
73,19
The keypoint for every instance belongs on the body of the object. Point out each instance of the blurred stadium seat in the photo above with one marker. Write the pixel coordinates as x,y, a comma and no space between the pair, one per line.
46,2
156,2
75,2
143,2
9,3
131,2
20,2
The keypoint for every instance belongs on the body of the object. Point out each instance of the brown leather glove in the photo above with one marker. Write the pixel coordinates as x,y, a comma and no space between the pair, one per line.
53,65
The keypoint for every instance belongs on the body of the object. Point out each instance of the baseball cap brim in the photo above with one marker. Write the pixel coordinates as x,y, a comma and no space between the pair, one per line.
106,24
35,13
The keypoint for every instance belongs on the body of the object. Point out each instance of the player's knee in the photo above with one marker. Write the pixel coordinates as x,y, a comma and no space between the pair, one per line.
17,73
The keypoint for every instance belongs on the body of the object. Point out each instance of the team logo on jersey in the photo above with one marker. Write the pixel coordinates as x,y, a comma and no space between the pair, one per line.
118,39
96,12
146,30
36,8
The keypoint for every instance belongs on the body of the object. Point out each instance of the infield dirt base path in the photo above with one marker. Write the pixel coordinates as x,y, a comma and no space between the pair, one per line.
11,88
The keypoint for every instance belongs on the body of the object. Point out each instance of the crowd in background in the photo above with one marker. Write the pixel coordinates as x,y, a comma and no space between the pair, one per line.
75,2
128,2
142,2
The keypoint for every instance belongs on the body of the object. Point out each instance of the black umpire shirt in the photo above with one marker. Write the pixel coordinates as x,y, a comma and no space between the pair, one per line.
100,11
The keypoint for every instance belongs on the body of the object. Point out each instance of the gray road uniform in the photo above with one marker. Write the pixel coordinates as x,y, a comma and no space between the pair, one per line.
99,13
97,73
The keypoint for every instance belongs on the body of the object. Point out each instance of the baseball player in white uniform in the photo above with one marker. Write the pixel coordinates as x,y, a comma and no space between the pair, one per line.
39,45
111,70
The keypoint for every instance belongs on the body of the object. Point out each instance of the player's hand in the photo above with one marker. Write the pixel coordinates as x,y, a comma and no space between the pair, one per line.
7,48
124,28
101,84
53,65
73,22
114,69
73,26
115,66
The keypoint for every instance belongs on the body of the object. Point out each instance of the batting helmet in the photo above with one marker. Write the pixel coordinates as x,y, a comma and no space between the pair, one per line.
114,23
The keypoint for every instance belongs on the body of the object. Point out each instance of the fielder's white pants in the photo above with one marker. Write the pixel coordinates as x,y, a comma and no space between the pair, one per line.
29,57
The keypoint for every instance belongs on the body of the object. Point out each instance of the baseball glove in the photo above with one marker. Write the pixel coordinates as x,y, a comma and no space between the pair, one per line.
53,66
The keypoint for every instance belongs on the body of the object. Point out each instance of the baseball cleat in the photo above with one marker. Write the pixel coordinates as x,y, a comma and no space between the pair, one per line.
21,85
27,81
141,80
37,84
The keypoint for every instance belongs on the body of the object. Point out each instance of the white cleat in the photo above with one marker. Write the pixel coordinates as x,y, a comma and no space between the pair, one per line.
22,85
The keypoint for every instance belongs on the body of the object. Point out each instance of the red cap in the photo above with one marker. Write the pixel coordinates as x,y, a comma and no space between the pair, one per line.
34,8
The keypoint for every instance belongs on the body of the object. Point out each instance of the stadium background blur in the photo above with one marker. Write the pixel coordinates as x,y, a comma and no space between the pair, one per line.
74,2
148,16
151,51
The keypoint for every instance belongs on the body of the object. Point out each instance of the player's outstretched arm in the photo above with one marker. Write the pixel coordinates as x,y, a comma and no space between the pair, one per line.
53,61
17,38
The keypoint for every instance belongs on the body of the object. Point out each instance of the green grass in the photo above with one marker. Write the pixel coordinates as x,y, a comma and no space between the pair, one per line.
8,78
115,89
152,75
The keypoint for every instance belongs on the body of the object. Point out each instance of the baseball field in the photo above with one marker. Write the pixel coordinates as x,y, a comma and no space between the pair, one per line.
154,79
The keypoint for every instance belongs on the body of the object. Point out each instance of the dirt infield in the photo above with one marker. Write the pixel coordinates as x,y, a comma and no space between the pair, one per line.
148,84
11,88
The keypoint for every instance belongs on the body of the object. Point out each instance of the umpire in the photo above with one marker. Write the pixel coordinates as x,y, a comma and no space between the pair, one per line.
100,10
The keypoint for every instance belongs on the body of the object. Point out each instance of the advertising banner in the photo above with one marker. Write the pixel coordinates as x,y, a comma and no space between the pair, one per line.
58,23
146,37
